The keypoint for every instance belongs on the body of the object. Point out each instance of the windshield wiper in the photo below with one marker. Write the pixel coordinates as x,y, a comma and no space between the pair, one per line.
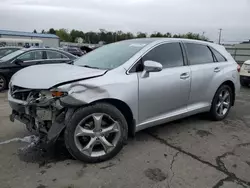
70,62
87,66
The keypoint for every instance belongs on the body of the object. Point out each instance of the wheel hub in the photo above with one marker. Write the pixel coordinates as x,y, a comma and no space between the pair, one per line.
223,103
99,139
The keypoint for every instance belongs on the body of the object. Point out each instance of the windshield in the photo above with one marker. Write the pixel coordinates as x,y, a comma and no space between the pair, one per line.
11,55
6,51
112,55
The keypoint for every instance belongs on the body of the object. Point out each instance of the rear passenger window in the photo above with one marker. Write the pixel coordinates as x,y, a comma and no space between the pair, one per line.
218,56
199,54
55,55
169,55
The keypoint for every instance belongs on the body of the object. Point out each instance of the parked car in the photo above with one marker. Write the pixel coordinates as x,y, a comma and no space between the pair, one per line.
122,88
7,50
73,50
245,73
86,49
19,59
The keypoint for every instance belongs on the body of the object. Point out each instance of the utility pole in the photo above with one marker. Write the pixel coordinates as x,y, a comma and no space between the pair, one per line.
220,35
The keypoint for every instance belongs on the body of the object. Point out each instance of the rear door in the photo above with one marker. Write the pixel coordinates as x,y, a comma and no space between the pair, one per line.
164,94
206,73
55,57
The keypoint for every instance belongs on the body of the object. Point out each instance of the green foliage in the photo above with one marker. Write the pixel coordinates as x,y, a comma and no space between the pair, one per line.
190,35
109,36
52,31
64,35
141,35
34,31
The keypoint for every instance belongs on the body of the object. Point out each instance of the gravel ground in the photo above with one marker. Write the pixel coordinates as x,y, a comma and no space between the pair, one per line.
192,152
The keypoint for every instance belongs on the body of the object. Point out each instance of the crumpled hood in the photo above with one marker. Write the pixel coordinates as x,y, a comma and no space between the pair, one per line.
47,76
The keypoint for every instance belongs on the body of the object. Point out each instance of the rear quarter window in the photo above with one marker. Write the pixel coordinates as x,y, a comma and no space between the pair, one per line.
218,56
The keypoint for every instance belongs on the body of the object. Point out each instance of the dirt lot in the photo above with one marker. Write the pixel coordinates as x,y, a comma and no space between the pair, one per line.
192,152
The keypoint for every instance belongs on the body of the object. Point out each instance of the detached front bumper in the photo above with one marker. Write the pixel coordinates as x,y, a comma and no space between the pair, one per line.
17,105
20,112
33,117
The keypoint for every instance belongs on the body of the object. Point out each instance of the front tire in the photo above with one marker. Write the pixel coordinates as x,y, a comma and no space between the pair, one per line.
96,133
221,103
3,83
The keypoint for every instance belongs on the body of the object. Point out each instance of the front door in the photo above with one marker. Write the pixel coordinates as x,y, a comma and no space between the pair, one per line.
26,59
164,95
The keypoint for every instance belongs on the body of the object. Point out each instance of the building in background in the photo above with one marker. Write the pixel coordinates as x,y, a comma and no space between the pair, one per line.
48,40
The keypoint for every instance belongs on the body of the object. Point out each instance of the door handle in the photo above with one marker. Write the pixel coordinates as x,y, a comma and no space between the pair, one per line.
184,75
217,69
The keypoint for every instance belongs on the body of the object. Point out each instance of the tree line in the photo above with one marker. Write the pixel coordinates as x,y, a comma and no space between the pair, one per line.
109,36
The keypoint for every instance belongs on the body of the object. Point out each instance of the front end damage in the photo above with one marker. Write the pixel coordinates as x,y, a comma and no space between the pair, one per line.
46,112
40,110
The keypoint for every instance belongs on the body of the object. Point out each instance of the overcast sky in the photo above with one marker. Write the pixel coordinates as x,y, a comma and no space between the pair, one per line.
175,16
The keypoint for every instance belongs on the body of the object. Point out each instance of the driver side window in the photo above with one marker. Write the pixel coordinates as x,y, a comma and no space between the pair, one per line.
169,55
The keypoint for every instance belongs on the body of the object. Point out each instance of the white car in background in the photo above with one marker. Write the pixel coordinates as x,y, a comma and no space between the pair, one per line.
245,73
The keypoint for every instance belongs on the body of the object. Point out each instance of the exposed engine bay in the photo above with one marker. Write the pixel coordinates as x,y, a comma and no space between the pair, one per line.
37,109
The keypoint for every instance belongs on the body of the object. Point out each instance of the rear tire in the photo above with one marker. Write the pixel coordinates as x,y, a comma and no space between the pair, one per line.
3,83
84,142
221,103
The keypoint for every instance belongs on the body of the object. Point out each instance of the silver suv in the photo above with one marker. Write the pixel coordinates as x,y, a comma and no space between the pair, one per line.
121,88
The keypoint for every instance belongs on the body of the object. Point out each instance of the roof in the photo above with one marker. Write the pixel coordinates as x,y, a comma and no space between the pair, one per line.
10,47
47,49
27,34
35,48
164,39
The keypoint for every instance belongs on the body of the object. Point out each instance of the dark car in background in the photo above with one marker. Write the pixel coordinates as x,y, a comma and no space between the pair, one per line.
19,59
74,50
7,50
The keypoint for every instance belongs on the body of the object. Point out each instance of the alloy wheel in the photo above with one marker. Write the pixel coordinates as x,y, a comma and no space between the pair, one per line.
2,83
223,103
97,135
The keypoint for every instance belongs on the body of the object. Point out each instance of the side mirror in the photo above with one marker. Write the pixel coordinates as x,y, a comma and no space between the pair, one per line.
18,61
152,66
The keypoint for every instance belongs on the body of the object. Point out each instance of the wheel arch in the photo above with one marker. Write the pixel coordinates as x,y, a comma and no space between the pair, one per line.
124,109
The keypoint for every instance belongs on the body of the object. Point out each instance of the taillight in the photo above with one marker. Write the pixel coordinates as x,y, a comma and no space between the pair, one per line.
238,68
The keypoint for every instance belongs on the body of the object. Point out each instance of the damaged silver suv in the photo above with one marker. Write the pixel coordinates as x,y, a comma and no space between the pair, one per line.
95,102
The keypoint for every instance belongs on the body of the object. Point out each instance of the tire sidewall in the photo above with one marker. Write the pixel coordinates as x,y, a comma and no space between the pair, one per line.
81,113
215,116
5,83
